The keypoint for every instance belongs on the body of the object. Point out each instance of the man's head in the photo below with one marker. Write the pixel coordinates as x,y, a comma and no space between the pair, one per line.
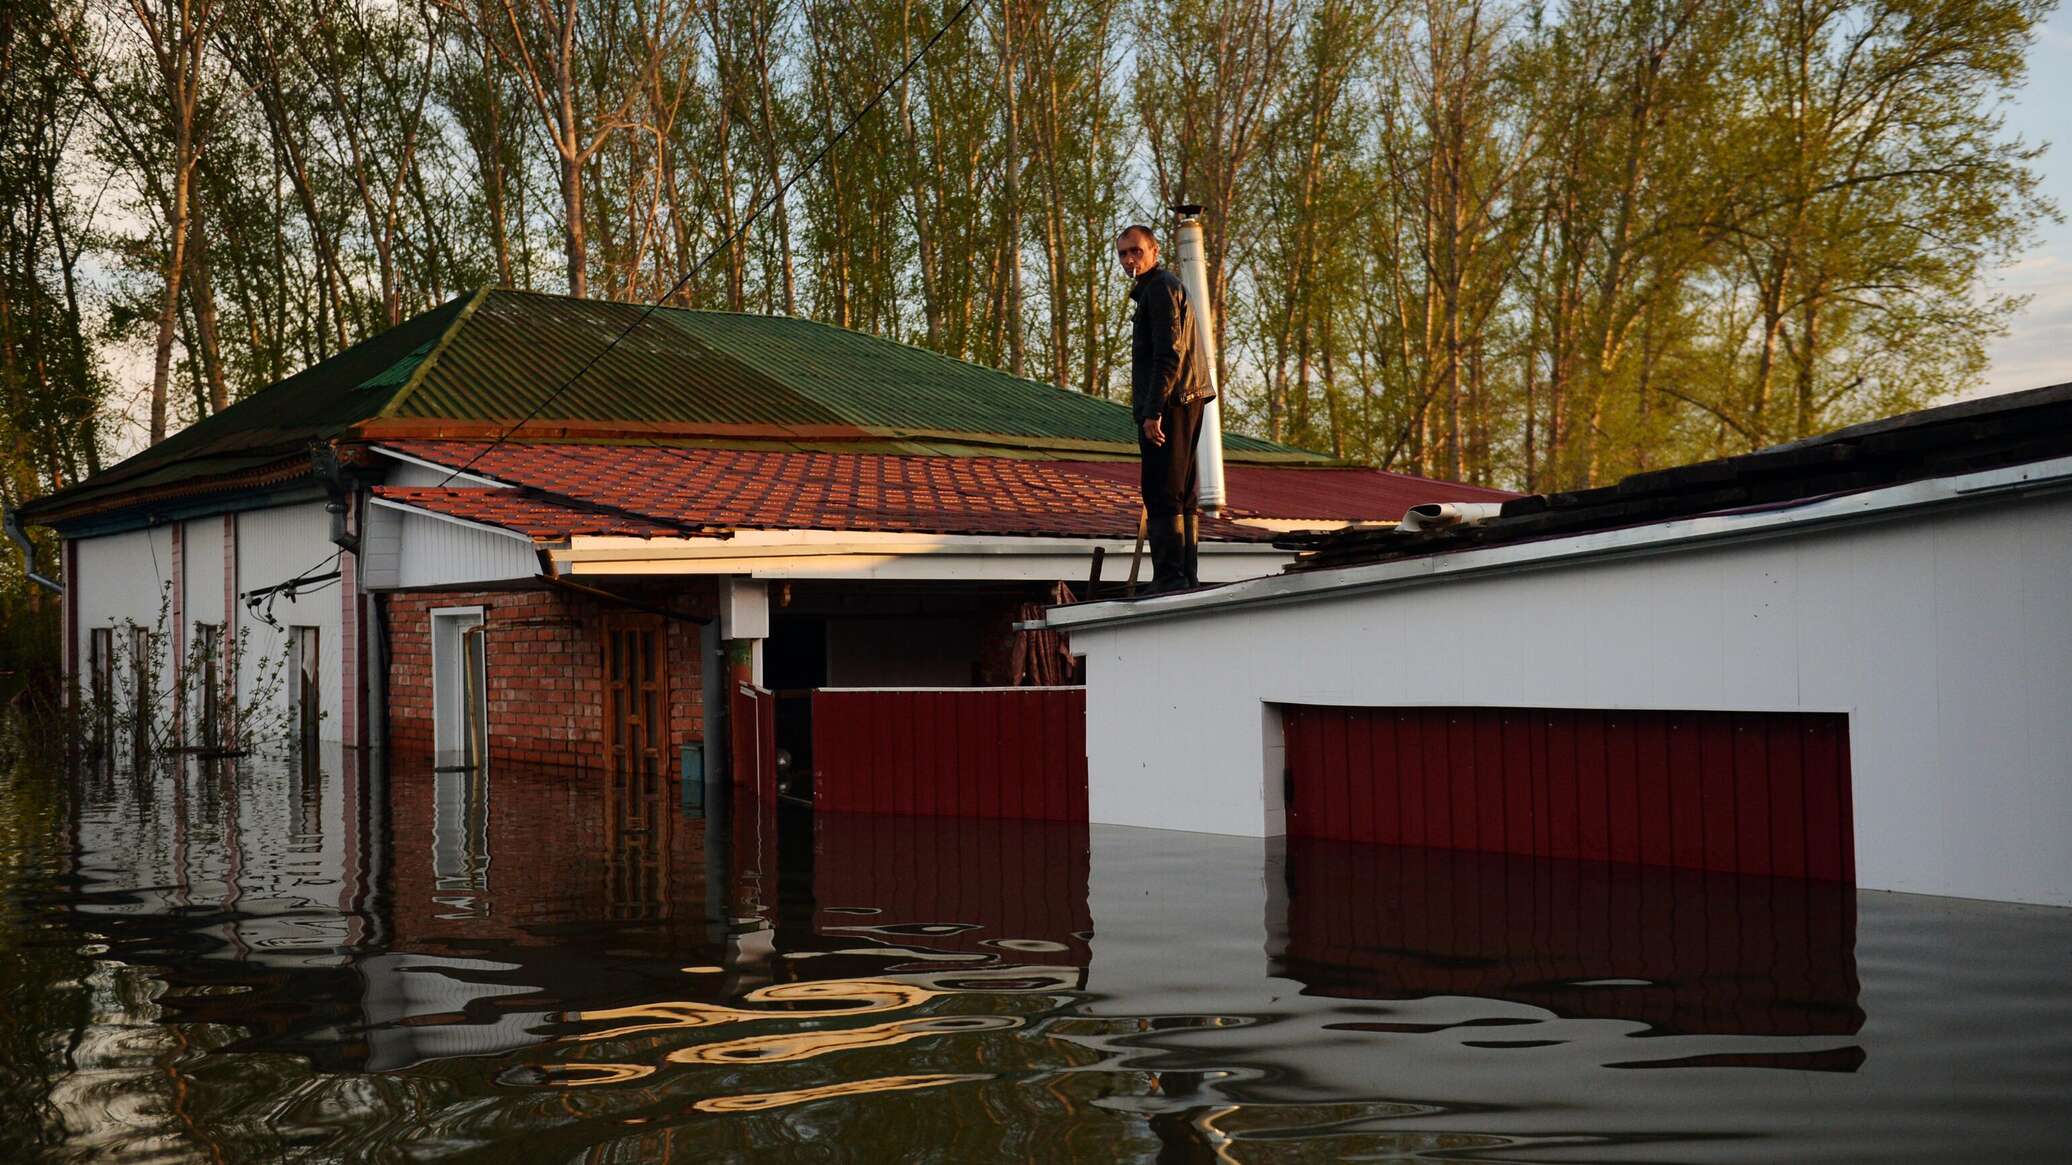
1137,247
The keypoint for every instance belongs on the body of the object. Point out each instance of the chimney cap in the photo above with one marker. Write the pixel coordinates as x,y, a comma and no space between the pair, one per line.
1188,210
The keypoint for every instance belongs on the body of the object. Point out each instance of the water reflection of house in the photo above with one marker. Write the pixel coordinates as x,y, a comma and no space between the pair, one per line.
1038,971
822,507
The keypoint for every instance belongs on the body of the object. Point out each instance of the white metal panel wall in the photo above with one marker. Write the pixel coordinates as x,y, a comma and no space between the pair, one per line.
404,473
381,548
1947,638
202,555
417,476
274,545
436,552
122,578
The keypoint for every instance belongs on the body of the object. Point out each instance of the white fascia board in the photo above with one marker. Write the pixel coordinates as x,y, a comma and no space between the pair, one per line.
1885,504
914,568
967,688
458,475
836,554
1299,525
421,512
767,543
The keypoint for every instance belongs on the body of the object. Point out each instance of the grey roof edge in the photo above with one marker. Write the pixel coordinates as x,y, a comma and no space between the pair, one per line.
1885,503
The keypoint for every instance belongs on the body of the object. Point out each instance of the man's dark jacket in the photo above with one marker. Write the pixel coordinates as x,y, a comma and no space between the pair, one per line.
1164,369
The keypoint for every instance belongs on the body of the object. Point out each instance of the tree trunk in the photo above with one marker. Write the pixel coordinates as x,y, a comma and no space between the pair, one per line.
202,296
1011,252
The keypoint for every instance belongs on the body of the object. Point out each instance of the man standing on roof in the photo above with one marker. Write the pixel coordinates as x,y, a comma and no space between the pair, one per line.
1168,389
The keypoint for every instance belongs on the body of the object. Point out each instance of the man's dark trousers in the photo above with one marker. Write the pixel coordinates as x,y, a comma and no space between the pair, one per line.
1169,485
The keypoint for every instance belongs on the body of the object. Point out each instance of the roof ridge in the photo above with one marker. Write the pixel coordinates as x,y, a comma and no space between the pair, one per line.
1276,447
924,349
439,345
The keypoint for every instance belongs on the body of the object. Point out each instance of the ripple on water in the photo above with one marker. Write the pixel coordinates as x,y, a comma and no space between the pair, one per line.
264,964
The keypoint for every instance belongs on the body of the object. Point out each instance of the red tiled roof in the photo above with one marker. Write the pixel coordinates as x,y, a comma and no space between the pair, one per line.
1331,495
764,489
522,511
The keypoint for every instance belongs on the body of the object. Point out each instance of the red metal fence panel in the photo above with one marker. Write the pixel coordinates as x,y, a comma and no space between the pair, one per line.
1002,892
752,733
1742,792
951,752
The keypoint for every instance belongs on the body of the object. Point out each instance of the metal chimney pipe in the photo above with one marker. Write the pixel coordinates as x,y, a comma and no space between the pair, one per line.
1191,259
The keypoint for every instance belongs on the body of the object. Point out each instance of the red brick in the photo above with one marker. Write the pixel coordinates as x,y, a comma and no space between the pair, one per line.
545,667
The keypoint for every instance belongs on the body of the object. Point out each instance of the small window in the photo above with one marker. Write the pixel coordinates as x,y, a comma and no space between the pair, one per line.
460,688
305,704
100,693
144,664
208,676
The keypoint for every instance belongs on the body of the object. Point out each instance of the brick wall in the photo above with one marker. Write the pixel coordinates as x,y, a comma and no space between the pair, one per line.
545,661
549,851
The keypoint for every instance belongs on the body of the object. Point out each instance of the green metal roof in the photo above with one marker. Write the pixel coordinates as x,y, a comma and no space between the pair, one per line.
687,367
487,359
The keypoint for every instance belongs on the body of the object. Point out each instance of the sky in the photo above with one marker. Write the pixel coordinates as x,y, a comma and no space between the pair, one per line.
2037,349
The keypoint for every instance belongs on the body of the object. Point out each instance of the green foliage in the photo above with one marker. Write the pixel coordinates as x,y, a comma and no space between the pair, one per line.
1532,246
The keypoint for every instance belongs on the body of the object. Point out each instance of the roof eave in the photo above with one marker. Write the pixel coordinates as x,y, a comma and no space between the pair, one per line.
85,501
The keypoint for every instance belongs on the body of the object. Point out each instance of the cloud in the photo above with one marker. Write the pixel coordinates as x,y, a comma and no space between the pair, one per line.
2037,349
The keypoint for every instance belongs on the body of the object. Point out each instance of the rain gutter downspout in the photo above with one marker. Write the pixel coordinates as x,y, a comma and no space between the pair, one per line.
1193,267
323,459
13,524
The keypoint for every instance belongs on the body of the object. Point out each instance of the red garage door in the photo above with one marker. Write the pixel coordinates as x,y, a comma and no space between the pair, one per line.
1747,792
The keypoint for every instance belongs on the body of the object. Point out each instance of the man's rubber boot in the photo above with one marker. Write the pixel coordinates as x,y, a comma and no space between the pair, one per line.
1191,549
1168,537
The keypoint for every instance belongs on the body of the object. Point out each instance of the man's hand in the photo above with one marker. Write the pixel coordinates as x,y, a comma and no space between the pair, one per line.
1154,431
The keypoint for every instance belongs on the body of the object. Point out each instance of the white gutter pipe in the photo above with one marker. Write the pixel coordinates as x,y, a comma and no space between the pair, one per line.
1439,515
1192,262
11,522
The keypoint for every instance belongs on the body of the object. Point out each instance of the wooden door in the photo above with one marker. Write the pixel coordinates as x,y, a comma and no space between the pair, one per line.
636,696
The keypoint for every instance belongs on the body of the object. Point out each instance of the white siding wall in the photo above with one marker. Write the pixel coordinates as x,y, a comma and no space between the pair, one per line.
275,545
381,547
123,577
410,473
436,552
1947,638
203,558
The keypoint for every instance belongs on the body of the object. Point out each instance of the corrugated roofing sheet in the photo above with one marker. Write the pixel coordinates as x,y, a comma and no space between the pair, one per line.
737,369
488,359
321,401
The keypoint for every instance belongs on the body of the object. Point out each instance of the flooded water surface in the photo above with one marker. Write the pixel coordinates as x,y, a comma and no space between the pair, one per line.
267,963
